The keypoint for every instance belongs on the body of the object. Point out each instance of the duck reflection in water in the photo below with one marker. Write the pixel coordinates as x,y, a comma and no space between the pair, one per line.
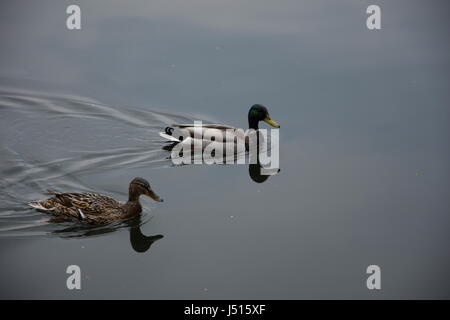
139,241
260,174
256,171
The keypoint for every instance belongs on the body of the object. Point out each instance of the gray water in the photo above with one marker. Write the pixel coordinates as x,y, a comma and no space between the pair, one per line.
363,148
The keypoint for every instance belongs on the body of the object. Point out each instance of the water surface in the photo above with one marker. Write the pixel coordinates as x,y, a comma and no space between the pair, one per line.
364,148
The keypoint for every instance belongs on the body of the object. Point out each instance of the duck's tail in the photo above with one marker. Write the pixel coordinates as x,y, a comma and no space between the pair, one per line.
37,205
52,192
45,204
169,130
167,134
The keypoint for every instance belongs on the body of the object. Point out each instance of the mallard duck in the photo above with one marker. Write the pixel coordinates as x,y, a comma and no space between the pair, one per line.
256,114
94,208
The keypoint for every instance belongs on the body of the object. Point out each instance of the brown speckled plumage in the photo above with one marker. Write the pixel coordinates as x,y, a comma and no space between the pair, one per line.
94,208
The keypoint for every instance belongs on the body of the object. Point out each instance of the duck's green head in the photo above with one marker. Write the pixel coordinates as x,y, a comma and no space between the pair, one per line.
259,113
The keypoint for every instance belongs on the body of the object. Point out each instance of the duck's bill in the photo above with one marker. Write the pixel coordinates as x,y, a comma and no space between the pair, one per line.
154,196
273,123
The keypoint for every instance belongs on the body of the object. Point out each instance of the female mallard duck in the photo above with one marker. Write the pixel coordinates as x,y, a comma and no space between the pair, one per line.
256,114
94,208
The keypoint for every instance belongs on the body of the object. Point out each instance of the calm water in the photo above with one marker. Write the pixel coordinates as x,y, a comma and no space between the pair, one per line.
364,148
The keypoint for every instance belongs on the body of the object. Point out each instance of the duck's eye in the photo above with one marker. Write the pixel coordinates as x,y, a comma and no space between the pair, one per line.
180,138
213,138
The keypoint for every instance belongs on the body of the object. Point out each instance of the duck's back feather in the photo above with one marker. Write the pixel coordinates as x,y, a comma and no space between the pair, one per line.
179,132
93,206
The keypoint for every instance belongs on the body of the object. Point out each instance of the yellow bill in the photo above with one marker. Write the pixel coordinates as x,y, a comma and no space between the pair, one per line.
273,123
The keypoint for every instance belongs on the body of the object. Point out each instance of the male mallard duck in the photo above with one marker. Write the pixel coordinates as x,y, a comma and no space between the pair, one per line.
256,114
96,208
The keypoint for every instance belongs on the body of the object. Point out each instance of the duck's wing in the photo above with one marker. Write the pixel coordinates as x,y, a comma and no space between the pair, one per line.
177,132
80,205
218,126
85,200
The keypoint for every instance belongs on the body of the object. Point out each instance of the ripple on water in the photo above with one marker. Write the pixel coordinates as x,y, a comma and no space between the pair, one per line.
50,140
